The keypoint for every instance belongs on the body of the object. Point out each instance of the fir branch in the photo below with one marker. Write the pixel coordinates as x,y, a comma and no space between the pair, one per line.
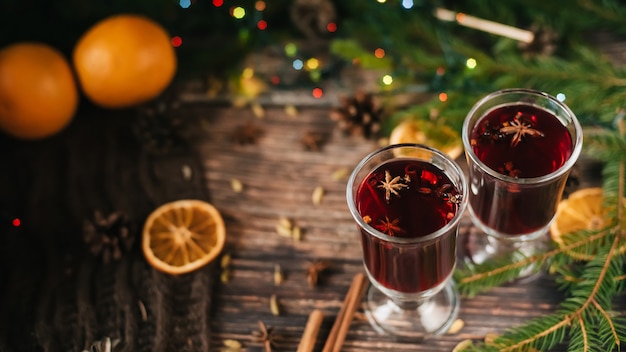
475,279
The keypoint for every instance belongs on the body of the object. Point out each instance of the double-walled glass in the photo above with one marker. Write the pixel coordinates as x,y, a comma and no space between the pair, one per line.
520,146
407,201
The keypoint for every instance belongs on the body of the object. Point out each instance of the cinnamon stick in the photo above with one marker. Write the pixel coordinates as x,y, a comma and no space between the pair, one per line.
310,331
340,328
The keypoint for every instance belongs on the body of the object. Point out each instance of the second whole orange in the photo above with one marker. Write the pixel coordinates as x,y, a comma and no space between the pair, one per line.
124,60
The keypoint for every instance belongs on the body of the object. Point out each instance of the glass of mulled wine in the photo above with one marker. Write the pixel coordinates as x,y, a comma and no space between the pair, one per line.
520,146
407,201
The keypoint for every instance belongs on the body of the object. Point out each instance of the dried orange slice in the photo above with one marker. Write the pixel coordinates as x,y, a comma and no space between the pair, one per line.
183,236
428,133
582,210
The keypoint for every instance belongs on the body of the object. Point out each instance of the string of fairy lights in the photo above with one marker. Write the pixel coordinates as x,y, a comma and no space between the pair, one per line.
252,19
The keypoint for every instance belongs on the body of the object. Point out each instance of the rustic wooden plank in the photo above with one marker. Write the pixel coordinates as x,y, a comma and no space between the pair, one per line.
278,177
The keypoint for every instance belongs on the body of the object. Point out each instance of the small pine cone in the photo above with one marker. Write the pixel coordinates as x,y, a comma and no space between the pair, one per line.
359,115
108,237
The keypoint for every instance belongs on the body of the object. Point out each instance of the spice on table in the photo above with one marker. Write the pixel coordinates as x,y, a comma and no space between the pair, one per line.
462,345
456,326
313,271
236,185
247,133
265,336
274,307
232,345
340,328
307,343
318,195
279,277
312,141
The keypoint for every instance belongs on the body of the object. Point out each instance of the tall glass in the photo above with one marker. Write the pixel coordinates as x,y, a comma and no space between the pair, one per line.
520,146
407,201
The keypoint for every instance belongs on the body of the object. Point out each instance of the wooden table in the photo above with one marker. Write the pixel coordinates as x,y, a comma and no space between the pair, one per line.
57,296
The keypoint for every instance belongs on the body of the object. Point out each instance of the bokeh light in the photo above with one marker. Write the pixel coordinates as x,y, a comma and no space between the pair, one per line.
387,79
315,76
312,63
298,64
262,25
561,97
331,27
184,3
379,53
317,93
238,12
218,3
259,5
247,73
291,49
177,41
443,96
471,63
407,4
275,80
16,222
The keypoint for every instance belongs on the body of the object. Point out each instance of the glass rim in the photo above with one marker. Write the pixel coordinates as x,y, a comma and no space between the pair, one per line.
408,240
576,151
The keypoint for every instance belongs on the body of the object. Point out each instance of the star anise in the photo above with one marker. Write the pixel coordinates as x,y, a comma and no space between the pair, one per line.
247,133
313,271
519,129
108,237
265,336
389,227
392,186
509,170
312,141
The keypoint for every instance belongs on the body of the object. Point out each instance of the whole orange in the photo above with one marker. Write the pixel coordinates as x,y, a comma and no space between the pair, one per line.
38,94
124,60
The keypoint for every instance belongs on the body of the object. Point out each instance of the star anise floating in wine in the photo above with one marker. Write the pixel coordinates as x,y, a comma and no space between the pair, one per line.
392,185
519,129
389,227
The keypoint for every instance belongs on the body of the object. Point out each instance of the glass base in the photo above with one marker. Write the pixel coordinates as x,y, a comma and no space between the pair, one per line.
412,320
481,247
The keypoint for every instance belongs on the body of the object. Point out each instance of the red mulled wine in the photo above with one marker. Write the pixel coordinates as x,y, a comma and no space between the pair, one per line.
519,141
408,198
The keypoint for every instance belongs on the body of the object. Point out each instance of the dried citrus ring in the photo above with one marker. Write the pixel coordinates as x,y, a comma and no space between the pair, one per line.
582,210
428,133
182,236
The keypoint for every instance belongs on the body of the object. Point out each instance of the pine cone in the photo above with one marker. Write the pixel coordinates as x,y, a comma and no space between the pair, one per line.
544,43
108,237
358,115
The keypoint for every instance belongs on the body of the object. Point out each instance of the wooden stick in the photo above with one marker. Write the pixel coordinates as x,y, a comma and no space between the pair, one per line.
340,328
310,331
500,29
